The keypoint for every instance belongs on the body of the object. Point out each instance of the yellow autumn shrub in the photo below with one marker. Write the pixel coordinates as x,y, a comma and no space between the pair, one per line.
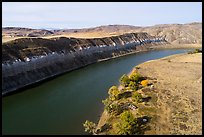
144,83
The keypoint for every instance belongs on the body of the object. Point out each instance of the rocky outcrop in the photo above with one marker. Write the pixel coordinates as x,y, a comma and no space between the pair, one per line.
29,60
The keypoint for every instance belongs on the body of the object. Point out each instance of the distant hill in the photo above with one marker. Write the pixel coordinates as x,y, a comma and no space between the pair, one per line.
178,33
190,33
25,32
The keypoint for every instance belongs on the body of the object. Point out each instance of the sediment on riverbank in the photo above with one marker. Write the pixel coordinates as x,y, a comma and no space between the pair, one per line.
175,89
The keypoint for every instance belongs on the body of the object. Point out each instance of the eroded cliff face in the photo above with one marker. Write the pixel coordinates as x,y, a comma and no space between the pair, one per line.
29,60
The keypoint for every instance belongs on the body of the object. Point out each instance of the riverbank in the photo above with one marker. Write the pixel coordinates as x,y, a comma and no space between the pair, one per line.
177,84
177,46
160,47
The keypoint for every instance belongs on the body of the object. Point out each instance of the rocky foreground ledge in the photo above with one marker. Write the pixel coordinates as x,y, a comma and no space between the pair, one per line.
171,102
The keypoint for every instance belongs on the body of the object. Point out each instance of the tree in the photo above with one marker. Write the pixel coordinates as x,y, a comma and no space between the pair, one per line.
113,93
89,127
136,77
113,108
127,116
128,124
124,80
107,104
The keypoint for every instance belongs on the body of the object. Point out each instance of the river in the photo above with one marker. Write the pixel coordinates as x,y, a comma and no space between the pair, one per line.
61,105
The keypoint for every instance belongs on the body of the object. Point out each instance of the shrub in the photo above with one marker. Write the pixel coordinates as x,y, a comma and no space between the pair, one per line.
106,101
113,93
133,85
137,67
144,83
114,109
112,90
137,97
196,51
128,124
127,116
124,80
136,77
105,127
89,126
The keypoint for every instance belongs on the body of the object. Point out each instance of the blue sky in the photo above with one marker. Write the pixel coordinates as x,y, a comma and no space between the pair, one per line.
91,14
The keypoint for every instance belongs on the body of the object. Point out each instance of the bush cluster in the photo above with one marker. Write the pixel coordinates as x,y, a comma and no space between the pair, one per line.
132,82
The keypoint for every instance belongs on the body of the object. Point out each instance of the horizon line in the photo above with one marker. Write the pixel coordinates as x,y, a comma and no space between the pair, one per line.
52,28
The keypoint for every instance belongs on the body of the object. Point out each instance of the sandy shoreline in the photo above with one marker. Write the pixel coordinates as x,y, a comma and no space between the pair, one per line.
179,89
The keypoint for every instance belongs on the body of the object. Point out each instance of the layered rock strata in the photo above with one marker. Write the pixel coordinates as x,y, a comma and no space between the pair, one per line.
29,60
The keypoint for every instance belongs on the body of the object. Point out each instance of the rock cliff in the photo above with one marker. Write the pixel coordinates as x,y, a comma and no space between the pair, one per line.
29,60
